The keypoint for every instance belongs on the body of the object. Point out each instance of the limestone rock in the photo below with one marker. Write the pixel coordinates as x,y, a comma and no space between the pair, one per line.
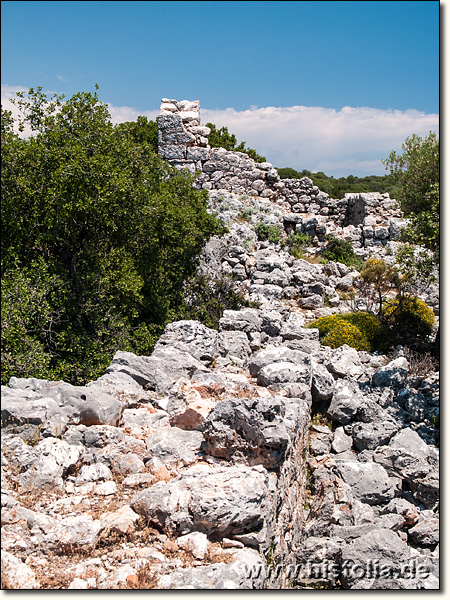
216,501
257,430
345,402
175,446
393,374
369,481
345,362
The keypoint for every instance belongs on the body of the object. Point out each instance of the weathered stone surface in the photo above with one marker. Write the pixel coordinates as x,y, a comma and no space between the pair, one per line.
16,574
426,532
341,441
285,372
246,572
235,345
196,543
158,372
246,320
216,501
383,546
323,383
121,521
273,355
320,443
368,436
369,482
345,402
54,459
393,374
192,416
256,430
69,533
345,362
173,445
199,340
95,472
55,405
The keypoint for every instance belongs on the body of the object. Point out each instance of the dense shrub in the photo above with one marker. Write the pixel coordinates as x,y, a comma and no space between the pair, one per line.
206,298
222,138
341,251
116,231
296,243
268,232
346,333
360,330
409,316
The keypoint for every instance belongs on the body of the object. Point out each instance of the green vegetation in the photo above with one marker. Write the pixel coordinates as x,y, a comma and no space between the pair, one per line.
337,188
341,251
296,243
409,317
378,278
417,173
99,236
221,138
142,131
205,299
403,319
361,330
271,233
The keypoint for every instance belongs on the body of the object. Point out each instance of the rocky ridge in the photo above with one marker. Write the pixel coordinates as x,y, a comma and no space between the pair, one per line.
251,457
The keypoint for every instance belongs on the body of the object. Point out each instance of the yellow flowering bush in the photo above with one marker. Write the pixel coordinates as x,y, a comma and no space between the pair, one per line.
369,325
346,333
409,315
360,330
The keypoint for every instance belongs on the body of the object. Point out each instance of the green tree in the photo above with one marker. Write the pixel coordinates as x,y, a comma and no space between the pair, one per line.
142,131
417,174
116,225
378,278
222,138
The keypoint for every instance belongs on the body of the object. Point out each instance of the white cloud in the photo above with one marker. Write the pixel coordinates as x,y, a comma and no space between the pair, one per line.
121,114
8,92
352,140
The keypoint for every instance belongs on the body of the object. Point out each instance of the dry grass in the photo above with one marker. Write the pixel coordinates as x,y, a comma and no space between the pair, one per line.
421,364
145,579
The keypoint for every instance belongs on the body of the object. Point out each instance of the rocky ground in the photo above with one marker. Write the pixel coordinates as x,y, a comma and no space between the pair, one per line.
251,457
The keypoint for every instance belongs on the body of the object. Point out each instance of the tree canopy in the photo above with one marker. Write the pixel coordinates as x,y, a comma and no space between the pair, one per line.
221,138
417,173
338,187
98,236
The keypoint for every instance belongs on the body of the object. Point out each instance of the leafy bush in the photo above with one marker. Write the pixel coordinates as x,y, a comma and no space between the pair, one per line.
222,138
117,230
205,299
346,333
341,251
360,330
378,278
296,243
409,316
268,232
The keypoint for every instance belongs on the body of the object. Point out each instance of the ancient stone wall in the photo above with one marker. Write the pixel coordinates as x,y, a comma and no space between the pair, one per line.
365,219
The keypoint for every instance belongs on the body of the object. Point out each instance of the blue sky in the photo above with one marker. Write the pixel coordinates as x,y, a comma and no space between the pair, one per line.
331,86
